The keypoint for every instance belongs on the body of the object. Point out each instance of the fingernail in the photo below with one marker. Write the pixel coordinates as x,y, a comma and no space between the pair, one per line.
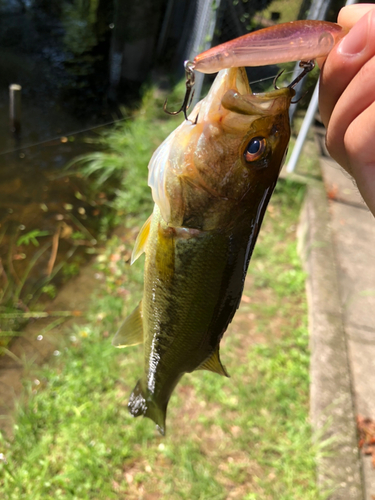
356,40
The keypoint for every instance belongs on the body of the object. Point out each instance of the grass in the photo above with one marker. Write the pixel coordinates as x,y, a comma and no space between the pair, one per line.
247,437
125,150
288,11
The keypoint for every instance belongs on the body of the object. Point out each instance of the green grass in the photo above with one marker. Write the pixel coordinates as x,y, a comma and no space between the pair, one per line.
288,10
246,437
120,165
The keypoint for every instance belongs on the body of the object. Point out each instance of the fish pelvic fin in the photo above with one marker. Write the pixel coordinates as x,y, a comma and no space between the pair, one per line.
141,403
141,240
213,364
131,330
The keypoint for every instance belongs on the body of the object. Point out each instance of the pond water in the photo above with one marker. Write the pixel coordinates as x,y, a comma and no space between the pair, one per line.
59,53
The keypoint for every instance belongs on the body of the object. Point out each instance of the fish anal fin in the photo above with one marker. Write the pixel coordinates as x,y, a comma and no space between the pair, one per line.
140,242
213,364
131,330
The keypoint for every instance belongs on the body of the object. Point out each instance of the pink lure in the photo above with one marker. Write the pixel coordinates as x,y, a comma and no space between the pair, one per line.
297,40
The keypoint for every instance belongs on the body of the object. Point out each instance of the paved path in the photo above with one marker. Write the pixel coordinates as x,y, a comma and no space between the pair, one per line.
338,240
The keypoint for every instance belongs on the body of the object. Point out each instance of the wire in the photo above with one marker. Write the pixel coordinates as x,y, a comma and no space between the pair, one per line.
59,137
269,78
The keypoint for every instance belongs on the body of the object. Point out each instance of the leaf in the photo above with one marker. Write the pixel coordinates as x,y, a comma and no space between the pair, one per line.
31,237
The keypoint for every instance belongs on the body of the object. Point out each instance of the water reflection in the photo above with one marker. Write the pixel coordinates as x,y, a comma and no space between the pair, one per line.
48,222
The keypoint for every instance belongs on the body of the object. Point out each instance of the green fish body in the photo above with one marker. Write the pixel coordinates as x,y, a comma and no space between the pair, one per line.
211,180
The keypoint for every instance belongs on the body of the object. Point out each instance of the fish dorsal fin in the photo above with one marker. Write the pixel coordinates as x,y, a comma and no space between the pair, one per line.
140,242
131,330
213,364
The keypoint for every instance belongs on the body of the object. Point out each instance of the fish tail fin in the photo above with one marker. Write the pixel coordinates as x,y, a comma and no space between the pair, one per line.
141,403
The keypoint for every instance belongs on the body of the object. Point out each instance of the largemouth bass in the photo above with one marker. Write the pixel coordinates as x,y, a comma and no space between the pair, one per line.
211,181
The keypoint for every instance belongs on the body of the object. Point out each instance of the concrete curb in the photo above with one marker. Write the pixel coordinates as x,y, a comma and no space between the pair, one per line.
331,395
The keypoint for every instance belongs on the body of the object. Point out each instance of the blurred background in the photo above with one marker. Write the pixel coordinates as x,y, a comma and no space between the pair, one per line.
80,63
82,87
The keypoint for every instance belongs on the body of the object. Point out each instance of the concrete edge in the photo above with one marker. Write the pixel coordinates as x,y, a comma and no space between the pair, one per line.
339,472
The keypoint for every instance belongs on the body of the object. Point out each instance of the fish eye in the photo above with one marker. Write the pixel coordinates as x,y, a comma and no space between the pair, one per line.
255,148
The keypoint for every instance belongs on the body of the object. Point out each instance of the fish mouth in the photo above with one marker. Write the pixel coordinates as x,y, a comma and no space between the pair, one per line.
247,103
267,103
231,91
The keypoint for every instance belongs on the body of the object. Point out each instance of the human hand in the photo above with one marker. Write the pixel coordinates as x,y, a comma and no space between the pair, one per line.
347,98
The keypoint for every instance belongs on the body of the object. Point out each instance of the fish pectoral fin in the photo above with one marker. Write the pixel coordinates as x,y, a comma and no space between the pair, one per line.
140,242
131,330
213,364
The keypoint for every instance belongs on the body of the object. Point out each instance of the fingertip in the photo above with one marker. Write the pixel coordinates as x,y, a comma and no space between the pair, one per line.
357,38
351,14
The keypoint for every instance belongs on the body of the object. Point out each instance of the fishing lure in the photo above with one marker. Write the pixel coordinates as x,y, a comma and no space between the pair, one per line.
293,41
286,42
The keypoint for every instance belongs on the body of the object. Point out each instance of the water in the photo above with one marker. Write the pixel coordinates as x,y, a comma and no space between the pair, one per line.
61,63
72,58
59,55
38,198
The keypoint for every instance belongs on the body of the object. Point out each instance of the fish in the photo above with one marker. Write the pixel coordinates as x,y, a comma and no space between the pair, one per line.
211,181
285,42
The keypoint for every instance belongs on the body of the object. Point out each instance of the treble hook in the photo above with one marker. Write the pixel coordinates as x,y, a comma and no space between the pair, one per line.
189,94
307,67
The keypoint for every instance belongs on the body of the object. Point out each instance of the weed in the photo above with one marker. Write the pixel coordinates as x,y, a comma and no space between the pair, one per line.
31,237
244,437
120,167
